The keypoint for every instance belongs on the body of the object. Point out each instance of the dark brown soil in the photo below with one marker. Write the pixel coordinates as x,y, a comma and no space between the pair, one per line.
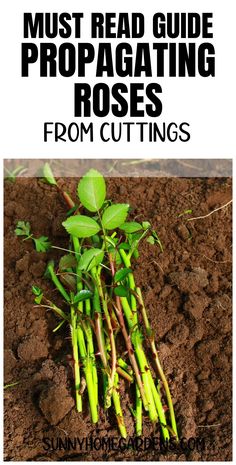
187,290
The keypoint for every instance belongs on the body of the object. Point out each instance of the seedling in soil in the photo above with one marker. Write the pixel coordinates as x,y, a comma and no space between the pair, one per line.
42,243
185,212
12,175
103,306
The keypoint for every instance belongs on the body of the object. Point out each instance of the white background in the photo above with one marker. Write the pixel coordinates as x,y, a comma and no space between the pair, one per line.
206,103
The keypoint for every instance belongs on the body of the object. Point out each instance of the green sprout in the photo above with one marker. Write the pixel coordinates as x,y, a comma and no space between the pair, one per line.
12,174
42,243
101,300
48,175
185,212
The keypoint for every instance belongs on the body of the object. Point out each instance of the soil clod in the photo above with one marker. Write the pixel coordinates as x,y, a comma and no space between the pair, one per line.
55,403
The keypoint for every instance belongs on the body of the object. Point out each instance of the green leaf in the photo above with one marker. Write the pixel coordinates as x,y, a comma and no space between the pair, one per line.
38,299
111,241
146,225
82,295
136,253
42,244
124,246
47,172
92,190
90,258
151,240
115,215
38,293
36,290
96,240
121,291
121,274
12,175
50,266
131,227
118,259
69,281
157,240
81,226
22,228
136,236
67,261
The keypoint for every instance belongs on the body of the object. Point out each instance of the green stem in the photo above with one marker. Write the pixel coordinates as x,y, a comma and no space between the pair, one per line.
157,363
124,374
132,358
52,306
78,398
77,247
144,368
99,332
142,361
124,370
159,407
87,358
117,406
133,361
112,373
87,365
92,391
121,363
138,413
127,263
130,316
91,350
155,406
58,283
98,321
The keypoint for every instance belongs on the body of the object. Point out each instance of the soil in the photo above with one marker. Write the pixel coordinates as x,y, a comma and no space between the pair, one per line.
187,290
